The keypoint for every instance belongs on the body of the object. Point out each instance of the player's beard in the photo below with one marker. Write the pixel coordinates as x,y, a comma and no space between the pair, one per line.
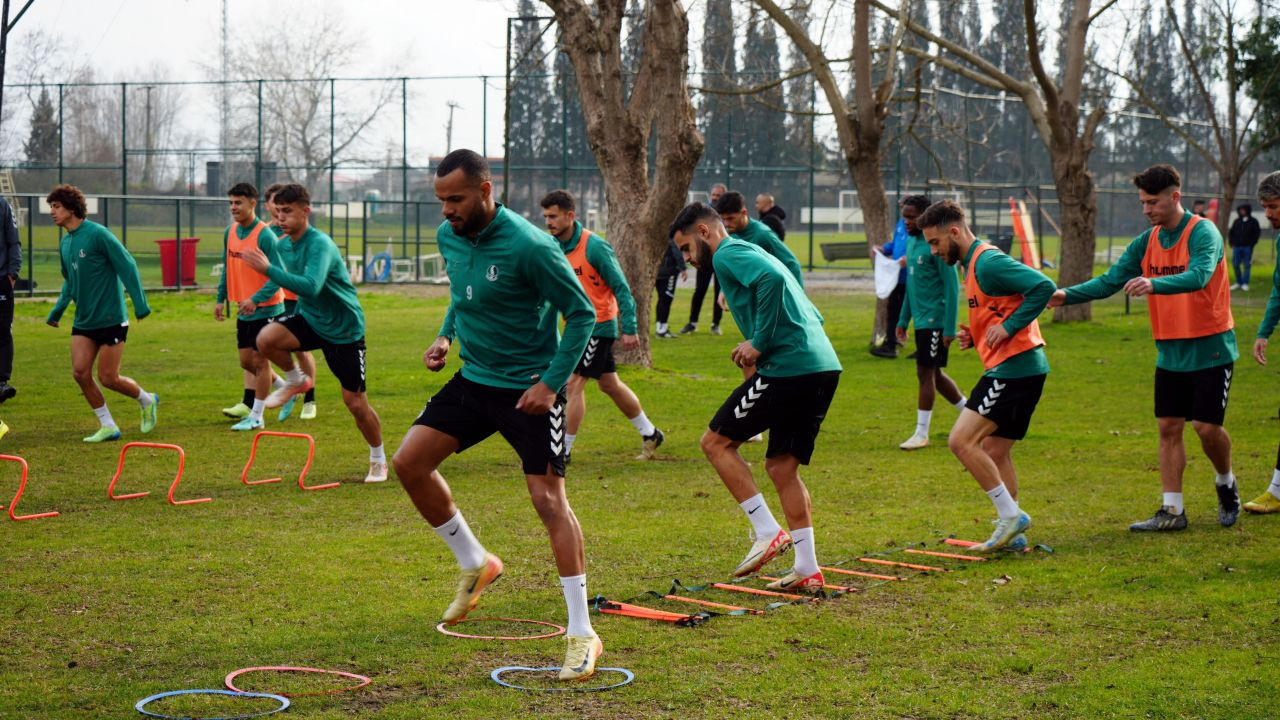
474,222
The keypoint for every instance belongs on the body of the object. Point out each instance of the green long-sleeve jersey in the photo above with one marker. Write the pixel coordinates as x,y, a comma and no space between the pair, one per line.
267,242
759,234
505,287
96,270
1205,249
933,292
1272,315
999,275
772,311
601,256
326,298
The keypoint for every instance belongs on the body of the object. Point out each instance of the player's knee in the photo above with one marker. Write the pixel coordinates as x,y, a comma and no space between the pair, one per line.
1170,428
108,378
549,503
1207,431
712,443
609,383
959,443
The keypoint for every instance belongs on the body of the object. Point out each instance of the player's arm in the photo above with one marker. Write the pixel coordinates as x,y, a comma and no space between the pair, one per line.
1002,275
267,243
12,243
950,297
602,257
767,286
64,296
1271,316
555,281
127,270
1129,266
315,267
1204,249
226,267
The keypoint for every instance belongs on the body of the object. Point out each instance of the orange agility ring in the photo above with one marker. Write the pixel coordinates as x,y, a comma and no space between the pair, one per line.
22,485
302,477
182,463
556,629
362,680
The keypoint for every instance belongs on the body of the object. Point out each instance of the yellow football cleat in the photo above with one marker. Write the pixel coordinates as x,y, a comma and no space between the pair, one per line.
580,657
1263,504
470,585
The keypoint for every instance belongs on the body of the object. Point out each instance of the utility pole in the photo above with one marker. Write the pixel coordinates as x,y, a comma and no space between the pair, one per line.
448,128
5,28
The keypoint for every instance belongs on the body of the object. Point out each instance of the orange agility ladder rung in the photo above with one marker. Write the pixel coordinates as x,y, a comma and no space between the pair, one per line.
302,477
708,603
913,566
859,573
609,607
825,585
182,463
754,591
953,556
22,485
960,543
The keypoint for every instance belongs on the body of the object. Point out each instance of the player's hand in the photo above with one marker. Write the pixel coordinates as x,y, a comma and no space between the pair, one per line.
1137,287
1260,351
901,334
684,275
256,259
964,337
247,307
724,304
1058,299
537,400
947,340
996,334
218,313
437,355
744,355
630,342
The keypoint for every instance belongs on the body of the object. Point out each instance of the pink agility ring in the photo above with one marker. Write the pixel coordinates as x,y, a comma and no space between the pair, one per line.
557,631
230,679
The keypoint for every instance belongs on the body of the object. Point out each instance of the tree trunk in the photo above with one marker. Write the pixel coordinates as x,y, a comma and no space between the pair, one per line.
1079,206
1229,182
864,167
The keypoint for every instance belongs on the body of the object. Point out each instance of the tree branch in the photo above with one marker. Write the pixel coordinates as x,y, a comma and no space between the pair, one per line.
1047,85
1198,77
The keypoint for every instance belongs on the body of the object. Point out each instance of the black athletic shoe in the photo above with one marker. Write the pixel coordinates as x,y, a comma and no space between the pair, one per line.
649,444
1164,519
885,351
688,329
7,391
1228,504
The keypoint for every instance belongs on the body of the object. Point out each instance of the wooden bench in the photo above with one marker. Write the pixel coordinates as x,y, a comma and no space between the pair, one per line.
844,251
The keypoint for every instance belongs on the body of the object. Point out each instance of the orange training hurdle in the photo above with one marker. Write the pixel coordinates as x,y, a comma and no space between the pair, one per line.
22,485
182,463
302,477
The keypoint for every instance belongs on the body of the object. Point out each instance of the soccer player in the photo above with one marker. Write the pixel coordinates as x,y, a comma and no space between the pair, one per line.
257,299
1004,298
597,269
328,317
704,279
931,299
304,358
1269,196
507,281
94,266
1180,267
795,377
733,213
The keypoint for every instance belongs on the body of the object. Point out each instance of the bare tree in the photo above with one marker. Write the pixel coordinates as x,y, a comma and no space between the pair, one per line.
1055,107
620,123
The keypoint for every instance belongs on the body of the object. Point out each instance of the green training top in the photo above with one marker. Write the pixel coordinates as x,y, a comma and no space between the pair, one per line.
1205,248
96,270
933,292
772,311
267,242
1000,275
505,287
326,298
757,233
601,256
1272,315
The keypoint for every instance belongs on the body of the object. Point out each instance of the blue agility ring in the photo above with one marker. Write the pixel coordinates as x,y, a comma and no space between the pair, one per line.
142,704
496,676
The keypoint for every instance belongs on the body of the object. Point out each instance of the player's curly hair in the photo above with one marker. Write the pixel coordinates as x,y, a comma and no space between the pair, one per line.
69,197
1269,187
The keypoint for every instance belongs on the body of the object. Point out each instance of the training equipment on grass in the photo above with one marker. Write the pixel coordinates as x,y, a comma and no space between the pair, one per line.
609,607
302,477
142,704
556,631
22,486
496,676
182,463
363,680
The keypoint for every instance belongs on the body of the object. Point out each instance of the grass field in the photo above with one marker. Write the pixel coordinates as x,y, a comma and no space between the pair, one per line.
114,601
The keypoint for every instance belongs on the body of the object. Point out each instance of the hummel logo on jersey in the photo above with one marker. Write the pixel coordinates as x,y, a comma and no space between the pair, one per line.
557,429
989,400
492,273
748,401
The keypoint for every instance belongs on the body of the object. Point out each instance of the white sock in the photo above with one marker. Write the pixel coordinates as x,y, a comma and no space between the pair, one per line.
1274,488
466,548
575,597
1006,506
276,382
258,405
662,327
1225,480
806,557
961,403
761,519
1174,500
642,424
104,416
295,376
568,441
377,454
922,422
144,398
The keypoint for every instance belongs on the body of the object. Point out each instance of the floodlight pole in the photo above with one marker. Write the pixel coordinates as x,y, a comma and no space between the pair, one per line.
5,28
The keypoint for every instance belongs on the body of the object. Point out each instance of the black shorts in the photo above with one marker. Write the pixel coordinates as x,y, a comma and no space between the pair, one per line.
931,350
247,332
1007,402
1199,395
790,408
290,307
471,412
345,360
111,335
597,359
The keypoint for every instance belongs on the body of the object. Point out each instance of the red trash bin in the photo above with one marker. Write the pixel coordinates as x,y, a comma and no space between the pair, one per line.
169,261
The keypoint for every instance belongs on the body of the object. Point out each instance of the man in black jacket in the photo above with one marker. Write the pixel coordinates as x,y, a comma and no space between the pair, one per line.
771,215
1243,235
10,269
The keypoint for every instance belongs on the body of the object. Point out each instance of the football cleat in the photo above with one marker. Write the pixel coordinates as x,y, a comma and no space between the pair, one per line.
238,411
762,551
104,434
580,657
648,446
149,414
308,410
249,423
288,390
377,472
470,585
1004,533
1263,504
1164,519
915,442
1228,504
286,409
794,582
